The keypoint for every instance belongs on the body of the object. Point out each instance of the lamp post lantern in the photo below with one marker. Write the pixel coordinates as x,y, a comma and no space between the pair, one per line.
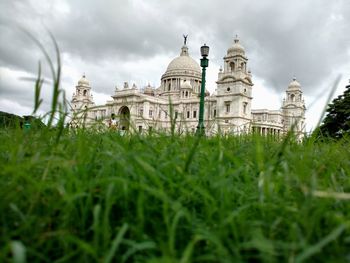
204,65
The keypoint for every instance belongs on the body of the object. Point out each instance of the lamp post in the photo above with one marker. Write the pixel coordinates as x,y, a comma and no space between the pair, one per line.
204,64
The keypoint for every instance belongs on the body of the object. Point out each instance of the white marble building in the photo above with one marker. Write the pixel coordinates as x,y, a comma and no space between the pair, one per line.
175,103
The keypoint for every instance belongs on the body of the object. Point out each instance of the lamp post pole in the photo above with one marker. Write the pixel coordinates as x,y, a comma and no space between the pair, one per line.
204,65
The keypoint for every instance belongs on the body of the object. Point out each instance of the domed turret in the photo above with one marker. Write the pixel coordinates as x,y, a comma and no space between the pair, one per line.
186,85
293,108
83,81
186,89
294,85
236,48
82,98
149,90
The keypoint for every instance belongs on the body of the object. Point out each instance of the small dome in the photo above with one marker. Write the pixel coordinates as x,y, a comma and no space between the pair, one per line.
83,81
183,62
294,85
148,90
236,49
186,85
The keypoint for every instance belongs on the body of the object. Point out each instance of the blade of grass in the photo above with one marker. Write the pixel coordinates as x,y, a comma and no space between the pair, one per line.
310,251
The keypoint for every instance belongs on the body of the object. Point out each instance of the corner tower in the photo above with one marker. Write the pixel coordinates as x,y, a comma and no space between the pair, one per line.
82,97
82,100
234,91
294,108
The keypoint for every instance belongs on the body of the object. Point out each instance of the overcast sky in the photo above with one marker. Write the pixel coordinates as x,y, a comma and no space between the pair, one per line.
134,40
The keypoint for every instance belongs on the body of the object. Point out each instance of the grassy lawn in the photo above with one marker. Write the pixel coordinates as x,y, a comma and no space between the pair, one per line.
99,197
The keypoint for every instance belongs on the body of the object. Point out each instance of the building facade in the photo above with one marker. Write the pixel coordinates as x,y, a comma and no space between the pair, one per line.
174,105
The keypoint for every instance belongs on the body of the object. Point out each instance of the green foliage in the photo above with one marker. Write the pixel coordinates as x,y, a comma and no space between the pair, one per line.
8,120
100,197
337,122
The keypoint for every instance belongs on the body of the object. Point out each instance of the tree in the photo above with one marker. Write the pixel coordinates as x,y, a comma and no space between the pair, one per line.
8,120
337,122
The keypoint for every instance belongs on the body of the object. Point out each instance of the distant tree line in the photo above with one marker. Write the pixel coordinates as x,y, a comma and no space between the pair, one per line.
8,120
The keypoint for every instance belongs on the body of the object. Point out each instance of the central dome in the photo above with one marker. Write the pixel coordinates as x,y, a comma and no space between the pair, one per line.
183,63
181,68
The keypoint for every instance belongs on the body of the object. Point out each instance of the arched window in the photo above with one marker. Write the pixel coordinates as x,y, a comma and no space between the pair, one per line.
292,97
169,86
85,91
232,66
242,66
186,94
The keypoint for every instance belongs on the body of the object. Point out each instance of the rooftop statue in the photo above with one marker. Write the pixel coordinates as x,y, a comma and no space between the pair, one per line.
185,39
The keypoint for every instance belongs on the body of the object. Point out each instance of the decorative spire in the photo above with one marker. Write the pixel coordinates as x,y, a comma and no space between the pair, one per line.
236,39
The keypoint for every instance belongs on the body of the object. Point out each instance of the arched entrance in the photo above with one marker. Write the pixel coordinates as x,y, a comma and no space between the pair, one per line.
124,118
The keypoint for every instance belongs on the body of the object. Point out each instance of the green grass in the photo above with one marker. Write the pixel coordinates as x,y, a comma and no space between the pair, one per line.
99,197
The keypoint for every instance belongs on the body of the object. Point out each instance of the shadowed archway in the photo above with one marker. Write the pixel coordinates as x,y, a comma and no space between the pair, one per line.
124,118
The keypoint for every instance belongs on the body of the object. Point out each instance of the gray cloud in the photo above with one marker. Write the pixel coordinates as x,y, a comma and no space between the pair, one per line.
113,41
21,90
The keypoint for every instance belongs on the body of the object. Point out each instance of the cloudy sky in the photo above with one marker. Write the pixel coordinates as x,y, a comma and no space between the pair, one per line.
134,40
